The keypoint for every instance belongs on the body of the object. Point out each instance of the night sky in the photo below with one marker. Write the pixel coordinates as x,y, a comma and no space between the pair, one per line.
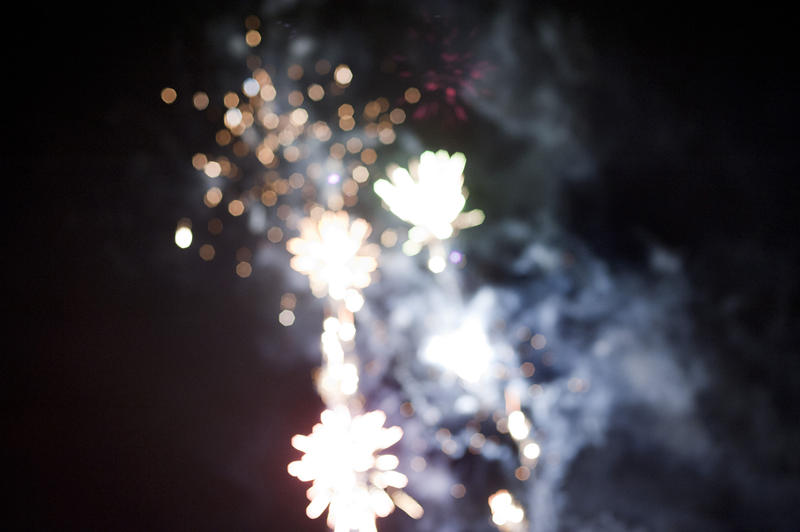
150,390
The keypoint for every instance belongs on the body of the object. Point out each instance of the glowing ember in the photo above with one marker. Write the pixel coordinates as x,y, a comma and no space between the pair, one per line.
349,477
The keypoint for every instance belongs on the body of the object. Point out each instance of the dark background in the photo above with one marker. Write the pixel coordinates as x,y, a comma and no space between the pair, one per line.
135,372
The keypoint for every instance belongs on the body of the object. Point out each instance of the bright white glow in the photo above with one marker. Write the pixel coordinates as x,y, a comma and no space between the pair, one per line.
332,253
347,474
233,117
338,380
286,318
250,87
347,332
531,451
436,264
465,351
506,512
430,198
518,425
183,237
353,300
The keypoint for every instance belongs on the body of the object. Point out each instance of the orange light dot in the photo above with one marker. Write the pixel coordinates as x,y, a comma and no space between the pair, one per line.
412,95
212,197
295,72
397,116
269,198
243,269
275,235
207,252
316,92
199,161
236,207
295,98
200,100
252,38
168,95
231,100
369,156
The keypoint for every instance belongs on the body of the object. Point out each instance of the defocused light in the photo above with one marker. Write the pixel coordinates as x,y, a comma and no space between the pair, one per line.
322,67
200,100
233,117
458,491
369,156
252,38
268,93
288,300
252,22
504,509
295,98
316,92
412,95
436,264
168,95
207,252
269,198
275,235
538,341
215,226
286,318
531,451
230,100
340,458
298,117
345,110
295,72
243,269
466,351
333,254
236,207
212,169
431,199
354,144
212,197
183,236
518,425
251,87
360,174
397,116
372,110
343,75
199,161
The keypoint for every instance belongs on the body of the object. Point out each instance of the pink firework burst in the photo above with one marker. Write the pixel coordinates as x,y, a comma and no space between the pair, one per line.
442,60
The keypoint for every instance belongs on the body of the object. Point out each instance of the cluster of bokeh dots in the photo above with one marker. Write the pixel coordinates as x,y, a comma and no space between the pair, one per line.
271,119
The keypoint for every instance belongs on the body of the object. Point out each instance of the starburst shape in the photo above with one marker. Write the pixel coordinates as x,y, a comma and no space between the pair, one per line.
349,477
430,197
333,253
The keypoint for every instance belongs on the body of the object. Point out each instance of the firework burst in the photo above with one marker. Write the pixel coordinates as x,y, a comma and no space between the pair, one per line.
349,477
